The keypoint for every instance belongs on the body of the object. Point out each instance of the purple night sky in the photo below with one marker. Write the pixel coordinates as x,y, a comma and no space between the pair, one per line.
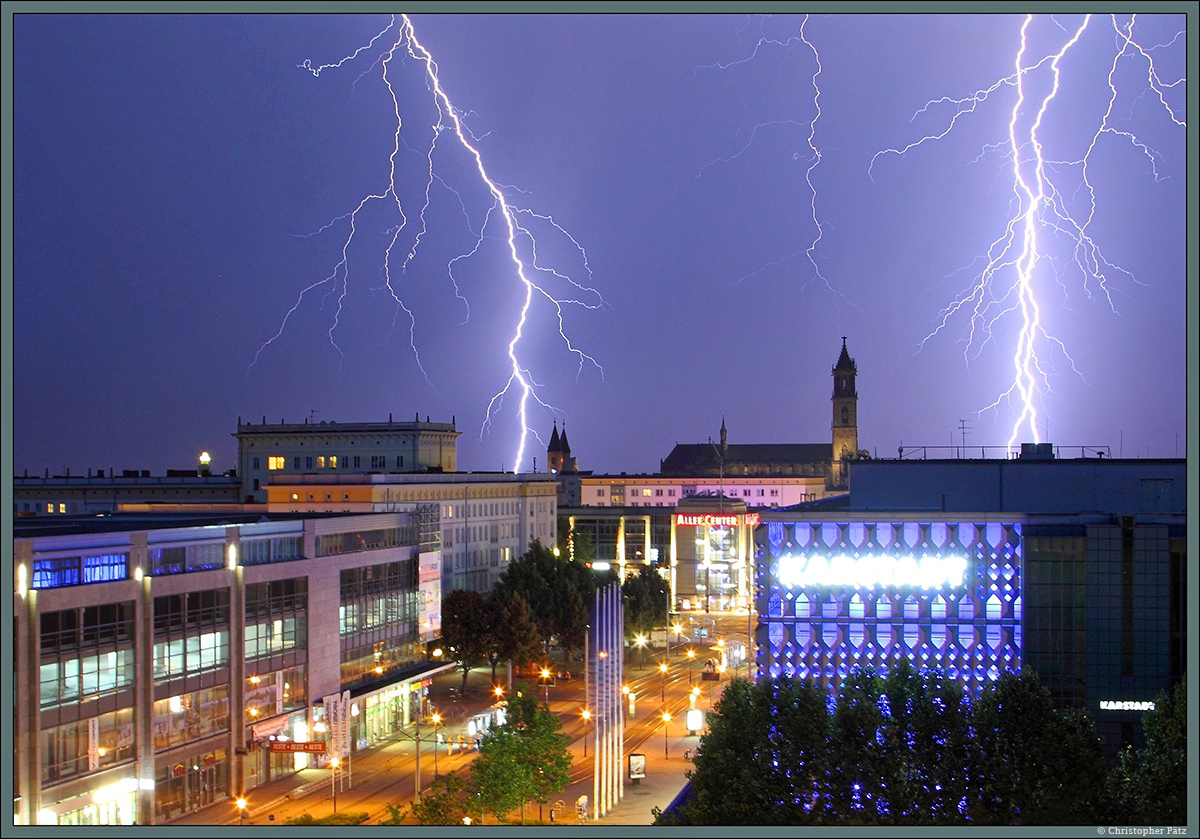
710,208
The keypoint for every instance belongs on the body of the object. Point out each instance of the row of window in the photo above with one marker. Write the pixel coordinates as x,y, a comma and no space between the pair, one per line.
278,462
670,493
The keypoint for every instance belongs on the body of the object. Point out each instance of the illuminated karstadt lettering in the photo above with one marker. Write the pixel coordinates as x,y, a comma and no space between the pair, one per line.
1125,705
872,570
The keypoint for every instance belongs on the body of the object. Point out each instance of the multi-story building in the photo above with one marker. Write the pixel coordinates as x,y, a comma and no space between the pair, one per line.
161,665
266,452
104,493
1074,567
488,519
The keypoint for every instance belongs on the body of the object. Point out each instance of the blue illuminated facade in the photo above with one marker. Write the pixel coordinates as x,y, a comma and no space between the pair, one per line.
835,594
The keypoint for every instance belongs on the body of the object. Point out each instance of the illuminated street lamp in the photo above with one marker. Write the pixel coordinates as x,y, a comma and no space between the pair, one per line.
587,715
666,718
640,640
691,654
333,766
662,668
546,684
241,805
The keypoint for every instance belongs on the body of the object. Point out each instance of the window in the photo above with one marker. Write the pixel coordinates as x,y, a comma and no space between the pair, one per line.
295,462
62,507
321,461
275,462
308,463
254,464
356,460
333,461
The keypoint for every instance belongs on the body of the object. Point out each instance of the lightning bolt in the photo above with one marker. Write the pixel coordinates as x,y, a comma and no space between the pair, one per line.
502,212
1044,208
812,156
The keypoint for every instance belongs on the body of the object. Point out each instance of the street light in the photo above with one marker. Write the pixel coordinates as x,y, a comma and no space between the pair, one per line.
587,715
333,767
662,668
241,805
666,718
546,684
640,640
691,654
437,720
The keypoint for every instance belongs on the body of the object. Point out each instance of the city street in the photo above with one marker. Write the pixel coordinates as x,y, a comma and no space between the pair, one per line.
386,773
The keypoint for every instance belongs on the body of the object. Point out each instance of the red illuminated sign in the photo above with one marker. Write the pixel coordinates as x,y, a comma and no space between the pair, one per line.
715,519
293,746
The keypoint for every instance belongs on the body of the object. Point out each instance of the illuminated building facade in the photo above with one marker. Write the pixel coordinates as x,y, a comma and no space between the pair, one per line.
155,667
1073,567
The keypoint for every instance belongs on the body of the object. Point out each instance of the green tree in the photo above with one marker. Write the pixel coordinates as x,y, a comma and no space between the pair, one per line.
448,800
514,634
769,742
465,628
926,739
524,759
558,591
1149,785
1032,765
644,598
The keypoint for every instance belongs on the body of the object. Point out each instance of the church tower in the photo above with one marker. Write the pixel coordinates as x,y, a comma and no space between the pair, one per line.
558,453
554,453
844,427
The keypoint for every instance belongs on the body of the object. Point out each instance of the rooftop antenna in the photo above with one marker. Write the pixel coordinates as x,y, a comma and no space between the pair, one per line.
312,413
964,428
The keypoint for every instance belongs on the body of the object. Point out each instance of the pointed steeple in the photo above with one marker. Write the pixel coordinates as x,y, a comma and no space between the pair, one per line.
566,447
844,362
724,436
555,445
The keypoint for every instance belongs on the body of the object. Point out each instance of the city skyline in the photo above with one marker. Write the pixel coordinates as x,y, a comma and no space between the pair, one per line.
722,198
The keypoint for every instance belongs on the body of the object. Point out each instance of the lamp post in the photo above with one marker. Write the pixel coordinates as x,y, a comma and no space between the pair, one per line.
241,805
640,640
417,762
546,684
662,668
691,654
437,720
333,767
587,715
666,718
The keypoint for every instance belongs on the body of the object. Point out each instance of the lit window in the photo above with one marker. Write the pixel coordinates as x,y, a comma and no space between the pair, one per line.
321,461
62,506
333,461
275,462
49,507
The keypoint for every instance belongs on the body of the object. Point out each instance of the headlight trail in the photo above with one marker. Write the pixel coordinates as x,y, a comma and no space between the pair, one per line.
408,231
1054,199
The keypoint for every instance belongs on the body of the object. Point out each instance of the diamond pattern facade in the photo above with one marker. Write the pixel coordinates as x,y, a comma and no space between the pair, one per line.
886,598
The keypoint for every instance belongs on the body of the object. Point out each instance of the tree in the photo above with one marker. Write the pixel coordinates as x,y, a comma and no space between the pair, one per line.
524,759
1031,763
644,597
1149,785
514,634
465,625
554,588
769,742
448,800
